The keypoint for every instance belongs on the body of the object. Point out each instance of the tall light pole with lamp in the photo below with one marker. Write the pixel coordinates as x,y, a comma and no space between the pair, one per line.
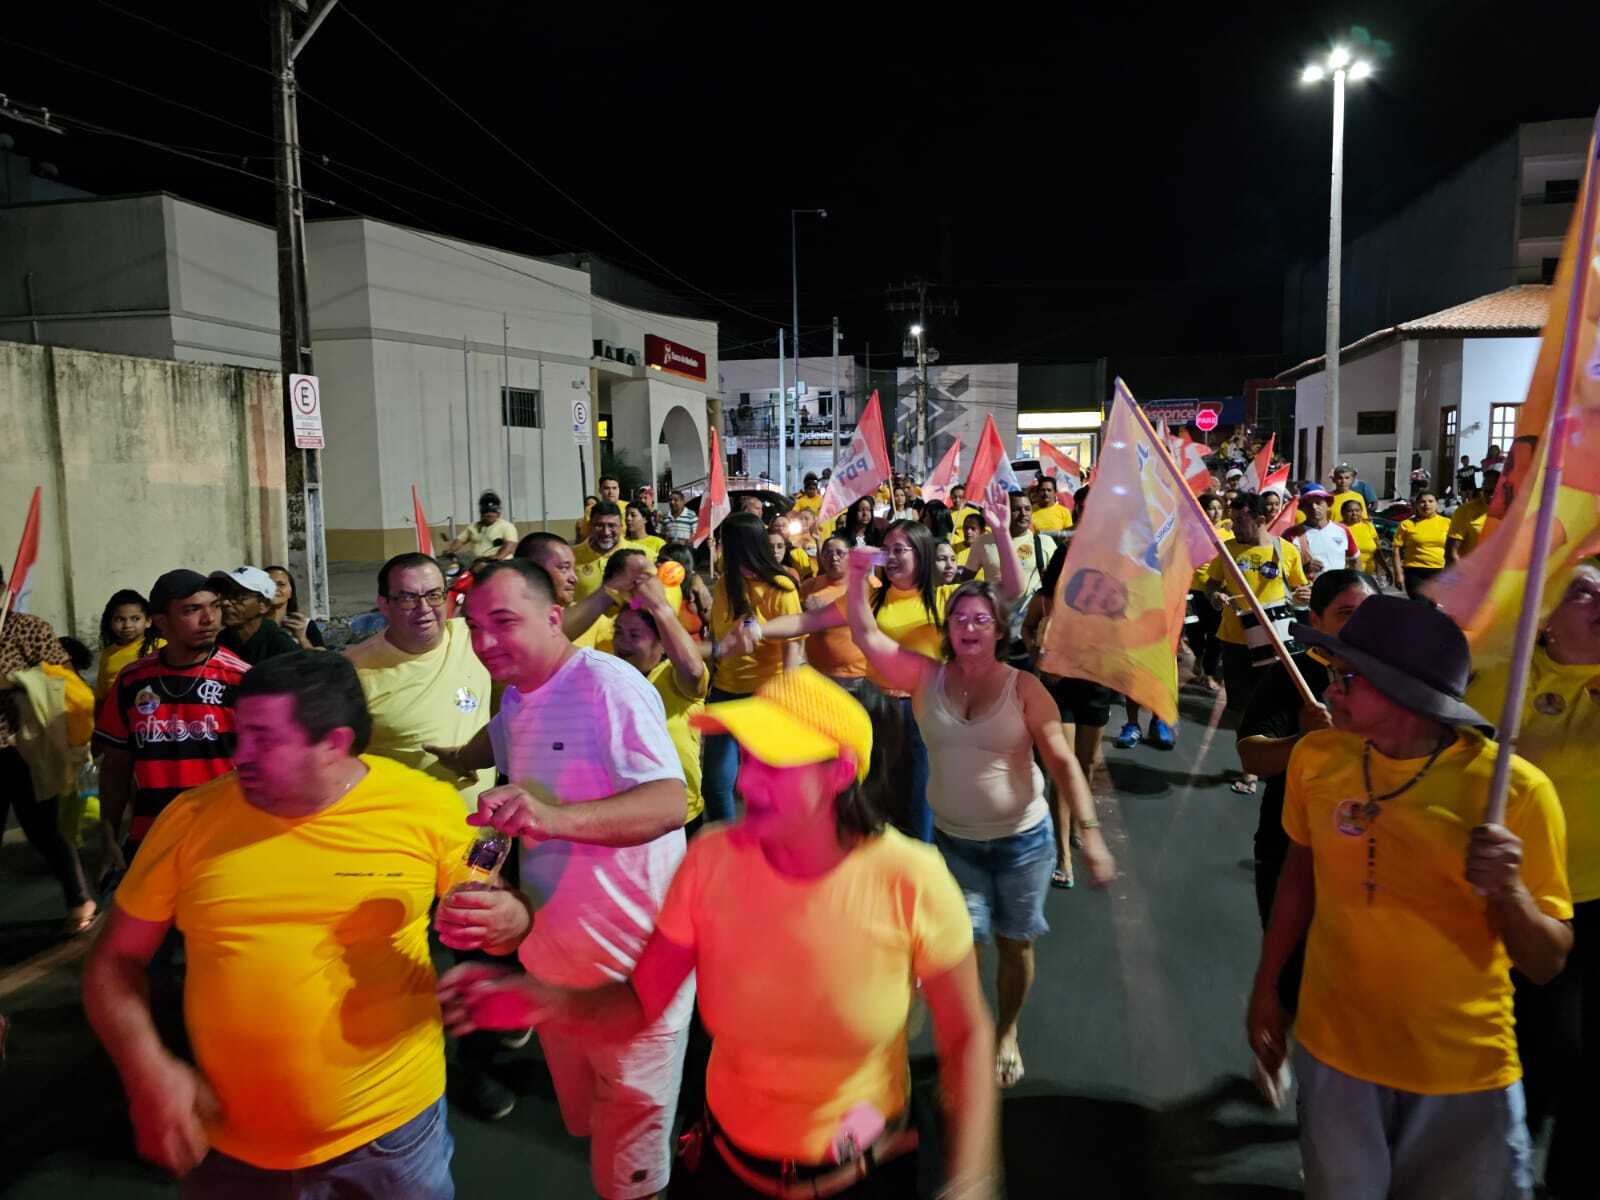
794,275
1338,66
919,458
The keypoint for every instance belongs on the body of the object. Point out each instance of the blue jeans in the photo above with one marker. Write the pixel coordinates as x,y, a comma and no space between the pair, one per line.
919,817
721,765
1361,1141
410,1162
1004,880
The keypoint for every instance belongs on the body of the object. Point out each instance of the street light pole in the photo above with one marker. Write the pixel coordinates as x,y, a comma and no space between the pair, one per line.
1338,67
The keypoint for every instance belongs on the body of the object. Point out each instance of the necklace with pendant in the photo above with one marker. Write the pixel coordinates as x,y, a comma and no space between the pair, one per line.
1371,810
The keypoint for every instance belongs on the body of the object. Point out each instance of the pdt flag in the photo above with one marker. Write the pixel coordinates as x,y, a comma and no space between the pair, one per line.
1190,456
714,504
945,476
424,534
1276,480
20,582
1255,475
992,481
1119,605
1063,468
864,468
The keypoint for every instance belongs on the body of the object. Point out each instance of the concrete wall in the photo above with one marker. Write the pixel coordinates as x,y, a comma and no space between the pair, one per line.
146,465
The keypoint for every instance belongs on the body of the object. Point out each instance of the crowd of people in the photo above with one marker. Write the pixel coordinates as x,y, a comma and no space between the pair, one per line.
767,811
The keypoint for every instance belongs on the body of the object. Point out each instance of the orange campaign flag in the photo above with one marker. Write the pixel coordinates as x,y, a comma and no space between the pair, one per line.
865,466
714,506
945,476
1120,603
1557,441
424,533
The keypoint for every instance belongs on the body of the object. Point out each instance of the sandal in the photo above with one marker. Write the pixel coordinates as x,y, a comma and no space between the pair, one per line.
1245,787
1061,877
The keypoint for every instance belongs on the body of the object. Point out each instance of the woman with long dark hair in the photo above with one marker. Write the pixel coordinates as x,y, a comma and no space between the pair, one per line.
909,608
936,516
810,929
286,611
985,720
860,527
752,590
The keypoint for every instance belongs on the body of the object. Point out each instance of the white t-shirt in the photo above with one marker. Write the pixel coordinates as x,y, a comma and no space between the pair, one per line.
1332,545
595,729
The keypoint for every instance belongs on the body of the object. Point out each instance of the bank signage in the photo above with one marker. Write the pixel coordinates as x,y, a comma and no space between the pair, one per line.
670,356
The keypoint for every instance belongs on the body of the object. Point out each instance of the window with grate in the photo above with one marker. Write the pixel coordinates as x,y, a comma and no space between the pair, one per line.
521,408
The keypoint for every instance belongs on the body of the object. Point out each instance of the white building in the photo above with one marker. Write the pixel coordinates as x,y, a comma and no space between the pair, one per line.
444,364
1424,392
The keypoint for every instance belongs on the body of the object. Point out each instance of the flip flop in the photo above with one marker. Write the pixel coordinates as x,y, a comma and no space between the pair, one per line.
1245,787
1062,879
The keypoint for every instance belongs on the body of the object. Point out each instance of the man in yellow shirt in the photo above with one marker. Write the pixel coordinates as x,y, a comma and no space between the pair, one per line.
1048,516
490,536
1466,523
650,637
302,886
811,497
1415,912
589,556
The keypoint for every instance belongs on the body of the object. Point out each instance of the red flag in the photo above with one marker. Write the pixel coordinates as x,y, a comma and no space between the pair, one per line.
714,503
20,582
1190,456
945,476
424,534
992,479
1288,517
1277,479
1256,473
1063,468
864,468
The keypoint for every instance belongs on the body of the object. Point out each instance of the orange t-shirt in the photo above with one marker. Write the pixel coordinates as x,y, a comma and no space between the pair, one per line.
833,651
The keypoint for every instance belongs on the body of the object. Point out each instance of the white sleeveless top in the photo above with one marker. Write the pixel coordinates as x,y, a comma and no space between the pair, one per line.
983,783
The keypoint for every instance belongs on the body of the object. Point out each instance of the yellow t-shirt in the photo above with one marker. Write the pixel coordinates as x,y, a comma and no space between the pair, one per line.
1256,562
598,636
1560,730
650,544
309,992
1340,499
1405,985
113,660
1055,519
814,503
440,698
987,559
1466,525
1365,534
904,617
1422,542
744,673
591,567
804,565
681,706
479,542
805,985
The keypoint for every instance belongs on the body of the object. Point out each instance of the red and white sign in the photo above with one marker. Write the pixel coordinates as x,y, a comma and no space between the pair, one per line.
864,468
1207,418
670,356
305,410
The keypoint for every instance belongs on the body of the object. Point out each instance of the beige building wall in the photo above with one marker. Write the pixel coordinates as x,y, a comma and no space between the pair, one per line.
145,465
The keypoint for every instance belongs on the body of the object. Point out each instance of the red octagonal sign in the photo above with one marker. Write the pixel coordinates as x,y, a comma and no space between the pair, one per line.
1206,419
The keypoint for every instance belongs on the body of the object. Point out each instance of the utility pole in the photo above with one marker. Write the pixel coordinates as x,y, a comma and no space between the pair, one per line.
836,389
914,298
308,543
1331,414
778,426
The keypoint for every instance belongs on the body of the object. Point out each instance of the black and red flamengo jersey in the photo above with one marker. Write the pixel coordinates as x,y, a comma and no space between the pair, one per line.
178,724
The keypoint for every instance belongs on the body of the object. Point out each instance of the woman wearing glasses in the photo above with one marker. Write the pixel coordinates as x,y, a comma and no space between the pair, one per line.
982,720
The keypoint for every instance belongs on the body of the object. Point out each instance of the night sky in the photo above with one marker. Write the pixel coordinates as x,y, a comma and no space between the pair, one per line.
1130,181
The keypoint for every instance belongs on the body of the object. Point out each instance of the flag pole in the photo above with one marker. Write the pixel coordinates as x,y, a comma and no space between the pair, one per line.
5,607
1545,514
1232,567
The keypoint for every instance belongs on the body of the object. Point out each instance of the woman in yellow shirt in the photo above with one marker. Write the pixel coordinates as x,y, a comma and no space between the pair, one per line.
810,928
1365,533
1419,545
1560,729
636,531
752,590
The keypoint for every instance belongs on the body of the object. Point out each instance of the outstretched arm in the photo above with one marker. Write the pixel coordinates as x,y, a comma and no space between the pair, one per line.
903,670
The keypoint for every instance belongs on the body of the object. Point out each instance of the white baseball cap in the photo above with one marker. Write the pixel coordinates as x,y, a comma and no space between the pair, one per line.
251,579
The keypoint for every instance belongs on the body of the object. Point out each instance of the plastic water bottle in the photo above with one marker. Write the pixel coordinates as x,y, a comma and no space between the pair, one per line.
481,865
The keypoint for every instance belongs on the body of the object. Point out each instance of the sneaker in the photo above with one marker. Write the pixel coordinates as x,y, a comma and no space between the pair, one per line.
1129,737
486,1098
515,1039
1161,735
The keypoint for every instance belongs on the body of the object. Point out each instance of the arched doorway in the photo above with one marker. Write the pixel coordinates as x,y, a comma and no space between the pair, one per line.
685,459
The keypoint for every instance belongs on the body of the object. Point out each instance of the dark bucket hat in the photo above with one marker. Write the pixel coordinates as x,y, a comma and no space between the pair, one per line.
1410,651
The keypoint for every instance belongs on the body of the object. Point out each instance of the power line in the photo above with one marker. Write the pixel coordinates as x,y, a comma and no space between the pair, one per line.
550,183
178,33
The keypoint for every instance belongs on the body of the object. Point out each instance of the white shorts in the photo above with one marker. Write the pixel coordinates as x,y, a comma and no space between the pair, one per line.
621,1096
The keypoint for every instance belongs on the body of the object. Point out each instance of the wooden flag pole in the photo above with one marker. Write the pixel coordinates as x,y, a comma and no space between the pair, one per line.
1232,567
